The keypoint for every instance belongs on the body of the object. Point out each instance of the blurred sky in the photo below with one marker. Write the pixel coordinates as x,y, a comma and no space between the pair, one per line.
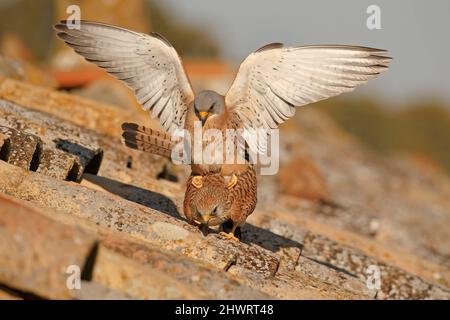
416,32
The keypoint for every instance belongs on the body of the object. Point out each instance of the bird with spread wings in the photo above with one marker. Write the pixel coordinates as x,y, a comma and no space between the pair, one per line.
270,84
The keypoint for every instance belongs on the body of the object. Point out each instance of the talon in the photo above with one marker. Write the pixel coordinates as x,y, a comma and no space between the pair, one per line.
229,236
233,181
197,182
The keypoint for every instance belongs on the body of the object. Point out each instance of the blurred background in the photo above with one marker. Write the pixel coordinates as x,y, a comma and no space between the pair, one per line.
405,111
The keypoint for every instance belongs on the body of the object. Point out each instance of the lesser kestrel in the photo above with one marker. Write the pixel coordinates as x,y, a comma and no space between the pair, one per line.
215,202
270,83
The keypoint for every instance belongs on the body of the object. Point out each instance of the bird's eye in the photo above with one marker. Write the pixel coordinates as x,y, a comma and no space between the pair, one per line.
215,211
212,106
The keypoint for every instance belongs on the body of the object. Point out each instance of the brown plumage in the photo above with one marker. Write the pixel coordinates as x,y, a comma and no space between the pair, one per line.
213,202
210,199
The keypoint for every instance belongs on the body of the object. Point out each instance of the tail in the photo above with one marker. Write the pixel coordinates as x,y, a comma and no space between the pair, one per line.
147,140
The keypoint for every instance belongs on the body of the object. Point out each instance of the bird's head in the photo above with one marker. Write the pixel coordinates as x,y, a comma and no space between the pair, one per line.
209,202
208,104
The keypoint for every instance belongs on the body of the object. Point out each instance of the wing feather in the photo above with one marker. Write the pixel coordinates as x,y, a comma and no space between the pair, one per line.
148,64
274,80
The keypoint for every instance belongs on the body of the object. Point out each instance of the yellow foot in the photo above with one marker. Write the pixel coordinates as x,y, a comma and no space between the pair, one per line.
233,181
197,182
229,236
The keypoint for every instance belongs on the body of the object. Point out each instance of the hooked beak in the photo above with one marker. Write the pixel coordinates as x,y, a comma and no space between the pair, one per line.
204,228
203,115
206,218
204,225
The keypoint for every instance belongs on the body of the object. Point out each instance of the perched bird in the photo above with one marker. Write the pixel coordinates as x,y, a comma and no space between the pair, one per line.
213,203
213,199
270,83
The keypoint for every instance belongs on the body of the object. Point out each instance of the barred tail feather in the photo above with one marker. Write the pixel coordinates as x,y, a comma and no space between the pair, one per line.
147,140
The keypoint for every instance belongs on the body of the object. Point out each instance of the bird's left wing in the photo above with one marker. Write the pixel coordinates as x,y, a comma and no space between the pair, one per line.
147,63
273,80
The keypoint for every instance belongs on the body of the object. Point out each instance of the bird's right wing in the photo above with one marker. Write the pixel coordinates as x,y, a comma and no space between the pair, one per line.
147,63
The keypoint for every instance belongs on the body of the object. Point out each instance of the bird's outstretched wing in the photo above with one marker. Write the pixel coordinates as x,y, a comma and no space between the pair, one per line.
146,63
273,80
